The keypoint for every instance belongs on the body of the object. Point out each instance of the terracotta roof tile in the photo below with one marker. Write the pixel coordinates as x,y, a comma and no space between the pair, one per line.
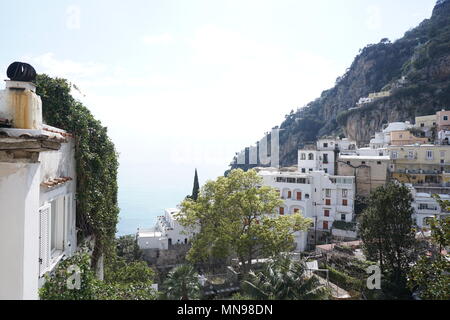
51,183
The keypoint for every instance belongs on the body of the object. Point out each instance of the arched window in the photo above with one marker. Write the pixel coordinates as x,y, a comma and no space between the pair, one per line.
311,156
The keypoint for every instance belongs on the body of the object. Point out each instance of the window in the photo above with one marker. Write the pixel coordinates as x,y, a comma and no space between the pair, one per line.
311,156
426,206
303,156
310,170
344,193
58,220
363,162
325,145
325,225
394,155
303,170
429,155
328,193
326,213
422,125
445,118
289,195
328,202
345,202
53,227
325,158
343,217
410,154
302,181
442,154
281,211
55,230
325,170
290,180
299,196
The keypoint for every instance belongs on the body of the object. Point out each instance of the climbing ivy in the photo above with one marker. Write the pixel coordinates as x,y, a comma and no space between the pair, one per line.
96,162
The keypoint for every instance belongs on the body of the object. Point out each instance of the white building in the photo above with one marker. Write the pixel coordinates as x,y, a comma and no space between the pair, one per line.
317,195
166,233
372,97
322,157
37,193
444,137
383,139
426,207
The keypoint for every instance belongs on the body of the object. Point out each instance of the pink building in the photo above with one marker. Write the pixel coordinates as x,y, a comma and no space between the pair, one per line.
443,120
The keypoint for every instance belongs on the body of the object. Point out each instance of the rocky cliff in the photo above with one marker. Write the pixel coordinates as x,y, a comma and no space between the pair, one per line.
415,68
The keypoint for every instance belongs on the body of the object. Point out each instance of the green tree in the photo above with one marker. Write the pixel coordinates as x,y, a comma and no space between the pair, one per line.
236,215
56,286
386,229
120,271
283,280
124,282
128,248
431,275
182,283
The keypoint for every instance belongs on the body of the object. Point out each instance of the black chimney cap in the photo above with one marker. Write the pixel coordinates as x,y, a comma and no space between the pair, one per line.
21,71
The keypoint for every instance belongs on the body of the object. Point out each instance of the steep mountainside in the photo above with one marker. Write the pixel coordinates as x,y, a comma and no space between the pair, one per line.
422,56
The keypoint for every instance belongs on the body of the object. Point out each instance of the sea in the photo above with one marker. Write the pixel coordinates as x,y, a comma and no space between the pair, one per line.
146,190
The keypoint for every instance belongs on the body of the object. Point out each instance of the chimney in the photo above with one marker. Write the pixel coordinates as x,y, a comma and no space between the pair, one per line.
19,103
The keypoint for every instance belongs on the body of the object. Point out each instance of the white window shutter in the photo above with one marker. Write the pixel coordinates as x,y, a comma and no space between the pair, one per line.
44,239
67,220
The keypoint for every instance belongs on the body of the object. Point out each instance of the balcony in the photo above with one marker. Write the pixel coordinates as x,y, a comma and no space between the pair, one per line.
344,209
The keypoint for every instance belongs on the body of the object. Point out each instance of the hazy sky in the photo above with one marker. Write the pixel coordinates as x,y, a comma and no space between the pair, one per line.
185,84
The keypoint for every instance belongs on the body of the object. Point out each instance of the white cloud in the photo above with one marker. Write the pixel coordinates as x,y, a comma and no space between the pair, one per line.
47,63
161,39
374,18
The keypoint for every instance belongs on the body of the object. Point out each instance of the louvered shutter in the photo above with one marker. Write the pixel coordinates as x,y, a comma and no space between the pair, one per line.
67,220
44,239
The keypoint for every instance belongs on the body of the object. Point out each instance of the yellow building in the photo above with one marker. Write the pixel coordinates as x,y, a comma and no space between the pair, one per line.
405,137
370,172
377,95
426,121
420,164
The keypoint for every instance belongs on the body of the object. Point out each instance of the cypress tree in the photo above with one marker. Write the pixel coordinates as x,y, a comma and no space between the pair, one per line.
196,188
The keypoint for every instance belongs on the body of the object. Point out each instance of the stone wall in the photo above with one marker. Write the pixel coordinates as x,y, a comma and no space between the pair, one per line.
175,255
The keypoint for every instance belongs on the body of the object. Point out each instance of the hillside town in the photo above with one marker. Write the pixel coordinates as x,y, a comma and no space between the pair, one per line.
334,173
332,176
347,199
